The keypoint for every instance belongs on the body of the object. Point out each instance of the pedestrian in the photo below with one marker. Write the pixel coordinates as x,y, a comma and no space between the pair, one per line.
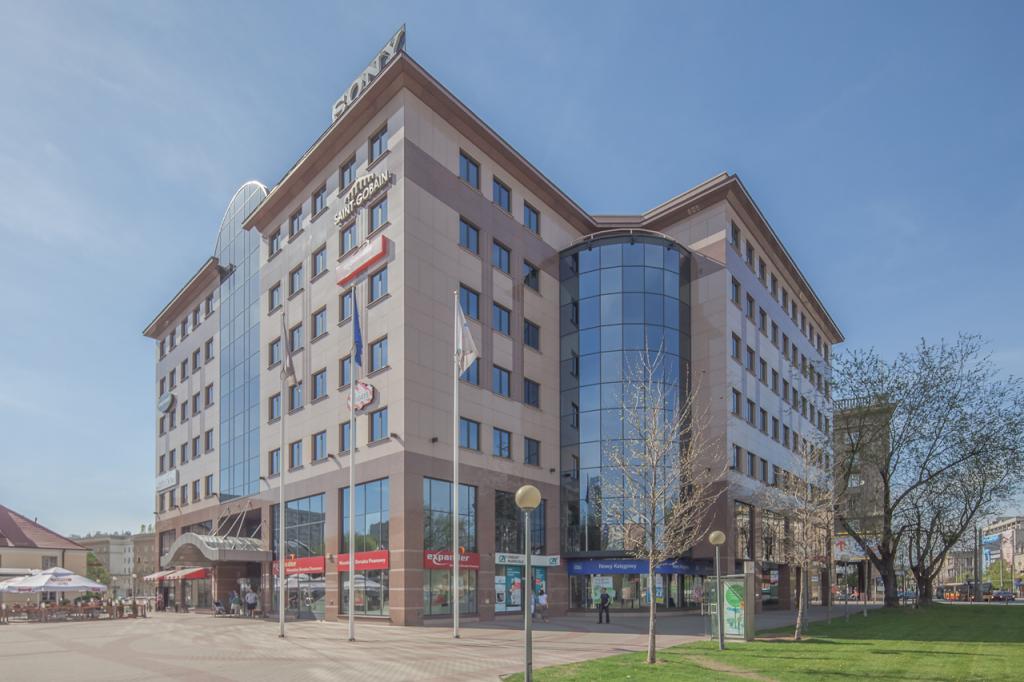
602,607
250,603
235,602
542,601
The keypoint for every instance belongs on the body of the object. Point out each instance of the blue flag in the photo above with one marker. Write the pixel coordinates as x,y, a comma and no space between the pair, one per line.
357,336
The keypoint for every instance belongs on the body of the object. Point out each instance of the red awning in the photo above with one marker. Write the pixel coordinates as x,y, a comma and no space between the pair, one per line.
188,574
159,575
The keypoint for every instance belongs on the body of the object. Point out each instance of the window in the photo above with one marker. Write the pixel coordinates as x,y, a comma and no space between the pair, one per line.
751,464
195,360
274,407
378,285
762,270
172,503
437,535
750,307
378,144
184,413
184,453
472,373
372,533
734,406
348,239
319,384
531,451
274,243
345,305
379,424
734,236
195,447
319,323
500,257
378,214
500,383
171,378
763,371
379,354
319,446
320,261
764,471
208,441
195,490
501,195
172,459
469,237
295,338
763,421
734,349
734,292
295,281
184,328
184,495
774,286
737,456
209,395
531,393
750,413
749,364
295,397
209,305
470,302
347,173
274,298
208,482
345,429
295,223
775,428
750,254
319,202
295,454
163,385
274,352
762,321
531,275
775,381
785,436
501,317
163,463
531,218
163,352
345,370
172,340
531,335
469,170
775,334
501,443
469,434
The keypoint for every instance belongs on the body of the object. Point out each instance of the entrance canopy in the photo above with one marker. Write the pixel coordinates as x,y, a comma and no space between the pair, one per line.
159,575
188,574
192,549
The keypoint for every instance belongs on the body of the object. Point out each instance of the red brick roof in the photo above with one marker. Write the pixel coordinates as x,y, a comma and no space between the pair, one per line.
18,531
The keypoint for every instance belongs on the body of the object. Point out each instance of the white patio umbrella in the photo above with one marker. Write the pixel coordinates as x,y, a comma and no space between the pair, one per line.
52,580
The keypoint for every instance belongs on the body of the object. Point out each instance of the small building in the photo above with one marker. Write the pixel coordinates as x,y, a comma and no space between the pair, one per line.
25,545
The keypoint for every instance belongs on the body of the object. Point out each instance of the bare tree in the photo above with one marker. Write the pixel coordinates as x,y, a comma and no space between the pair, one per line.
806,497
664,481
951,429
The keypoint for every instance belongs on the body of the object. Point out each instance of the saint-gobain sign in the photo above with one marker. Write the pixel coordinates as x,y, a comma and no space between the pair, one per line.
362,394
393,47
363,190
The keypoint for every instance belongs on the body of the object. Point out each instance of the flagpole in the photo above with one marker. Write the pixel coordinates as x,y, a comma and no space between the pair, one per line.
455,472
286,347
352,474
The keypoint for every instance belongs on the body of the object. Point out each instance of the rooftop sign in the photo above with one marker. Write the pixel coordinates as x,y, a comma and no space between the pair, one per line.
390,50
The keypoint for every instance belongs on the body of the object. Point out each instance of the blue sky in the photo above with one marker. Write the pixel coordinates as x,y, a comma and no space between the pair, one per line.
883,141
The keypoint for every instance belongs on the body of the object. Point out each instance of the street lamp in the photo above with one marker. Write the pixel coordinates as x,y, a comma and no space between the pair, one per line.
528,499
717,538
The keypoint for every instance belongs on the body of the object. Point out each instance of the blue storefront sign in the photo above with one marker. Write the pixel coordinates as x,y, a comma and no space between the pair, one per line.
613,566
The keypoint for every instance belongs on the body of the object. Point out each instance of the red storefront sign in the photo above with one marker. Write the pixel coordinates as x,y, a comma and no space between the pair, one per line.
443,559
366,561
362,258
310,564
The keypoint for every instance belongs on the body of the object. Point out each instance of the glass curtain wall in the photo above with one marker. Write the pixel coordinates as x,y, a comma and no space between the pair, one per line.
303,538
619,295
238,252
372,529
437,536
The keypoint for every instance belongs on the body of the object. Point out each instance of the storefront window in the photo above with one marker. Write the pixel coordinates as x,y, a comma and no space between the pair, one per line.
509,535
372,530
371,592
304,540
744,514
437,538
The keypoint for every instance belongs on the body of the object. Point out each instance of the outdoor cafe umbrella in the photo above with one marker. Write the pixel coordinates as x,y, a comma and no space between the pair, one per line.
52,580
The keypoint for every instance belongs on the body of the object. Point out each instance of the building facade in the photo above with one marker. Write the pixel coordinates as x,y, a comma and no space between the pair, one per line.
407,203
27,546
116,553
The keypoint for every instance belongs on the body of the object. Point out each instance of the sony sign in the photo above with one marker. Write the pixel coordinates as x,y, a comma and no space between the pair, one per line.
393,47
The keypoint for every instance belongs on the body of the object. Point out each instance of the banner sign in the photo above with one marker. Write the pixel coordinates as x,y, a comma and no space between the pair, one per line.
367,254
616,566
504,559
363,394
443,559
310,564
166,480
366,561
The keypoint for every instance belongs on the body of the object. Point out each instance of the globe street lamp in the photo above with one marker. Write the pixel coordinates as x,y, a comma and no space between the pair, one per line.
717,538
528,499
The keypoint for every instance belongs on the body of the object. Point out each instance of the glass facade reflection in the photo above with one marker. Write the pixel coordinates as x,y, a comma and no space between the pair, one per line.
619,295
238,251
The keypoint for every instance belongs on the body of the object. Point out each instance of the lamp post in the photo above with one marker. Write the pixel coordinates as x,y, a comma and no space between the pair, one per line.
717,538
528,499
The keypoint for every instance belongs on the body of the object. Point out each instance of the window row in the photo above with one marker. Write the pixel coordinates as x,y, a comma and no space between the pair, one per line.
198,402
750,412
170,499
180,456
501,317
501,441
501,195
170,342
501,383
501,255
377,422
173,377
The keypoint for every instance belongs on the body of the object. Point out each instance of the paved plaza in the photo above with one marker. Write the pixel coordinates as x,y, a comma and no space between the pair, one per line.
196,646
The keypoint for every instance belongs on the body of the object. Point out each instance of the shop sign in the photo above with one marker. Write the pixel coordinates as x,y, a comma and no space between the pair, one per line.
366,561
624,566
363,394
166,402
166,480
505,559
363,190
359,85
371,251
443,559
309,564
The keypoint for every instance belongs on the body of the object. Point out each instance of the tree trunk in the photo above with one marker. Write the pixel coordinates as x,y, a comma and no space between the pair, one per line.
653,609
892,597
800,589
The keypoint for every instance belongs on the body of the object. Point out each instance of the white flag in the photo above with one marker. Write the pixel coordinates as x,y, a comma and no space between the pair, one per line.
287,365
465,346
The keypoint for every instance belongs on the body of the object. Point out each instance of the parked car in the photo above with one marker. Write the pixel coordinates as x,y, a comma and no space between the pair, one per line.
907,594
1002,595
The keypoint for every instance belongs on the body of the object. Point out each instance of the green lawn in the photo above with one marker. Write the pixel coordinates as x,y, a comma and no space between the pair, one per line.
941,642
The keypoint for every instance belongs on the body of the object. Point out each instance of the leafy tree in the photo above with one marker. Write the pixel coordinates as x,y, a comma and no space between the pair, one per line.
96,571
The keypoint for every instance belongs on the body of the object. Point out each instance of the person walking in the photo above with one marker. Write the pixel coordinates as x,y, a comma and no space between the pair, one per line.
250,603
602,607
542,602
